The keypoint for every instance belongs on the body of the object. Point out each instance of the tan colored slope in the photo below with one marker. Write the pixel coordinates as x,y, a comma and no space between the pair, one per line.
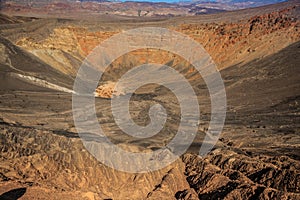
8,20
257,37
38,153
60,164
227,43
56,50
16,190
58,167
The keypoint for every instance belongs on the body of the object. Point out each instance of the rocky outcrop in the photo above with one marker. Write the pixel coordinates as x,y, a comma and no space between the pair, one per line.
105,90
41,159
254,38
60,165
225,174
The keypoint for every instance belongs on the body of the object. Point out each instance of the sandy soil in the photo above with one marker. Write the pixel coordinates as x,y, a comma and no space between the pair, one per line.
42,156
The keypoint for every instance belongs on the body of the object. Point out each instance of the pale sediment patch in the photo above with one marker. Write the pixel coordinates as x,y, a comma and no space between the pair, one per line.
42,83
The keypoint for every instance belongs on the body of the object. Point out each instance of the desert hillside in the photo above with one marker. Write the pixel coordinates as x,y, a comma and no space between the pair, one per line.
257,156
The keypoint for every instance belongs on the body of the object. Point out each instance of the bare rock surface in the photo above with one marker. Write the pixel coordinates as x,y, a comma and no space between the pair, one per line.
257,156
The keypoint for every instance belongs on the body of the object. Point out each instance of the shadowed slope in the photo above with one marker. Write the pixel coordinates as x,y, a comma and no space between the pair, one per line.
19,67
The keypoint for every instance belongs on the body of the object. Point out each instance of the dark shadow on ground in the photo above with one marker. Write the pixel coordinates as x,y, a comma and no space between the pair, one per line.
13,194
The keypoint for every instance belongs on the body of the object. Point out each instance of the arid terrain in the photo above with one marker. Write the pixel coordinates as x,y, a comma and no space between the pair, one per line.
257,156
94,8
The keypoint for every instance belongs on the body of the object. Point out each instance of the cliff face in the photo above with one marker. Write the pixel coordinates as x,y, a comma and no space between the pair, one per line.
227,43
257,37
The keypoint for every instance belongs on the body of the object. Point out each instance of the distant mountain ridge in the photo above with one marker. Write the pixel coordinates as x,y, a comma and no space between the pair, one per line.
229,4
137,8
234,4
